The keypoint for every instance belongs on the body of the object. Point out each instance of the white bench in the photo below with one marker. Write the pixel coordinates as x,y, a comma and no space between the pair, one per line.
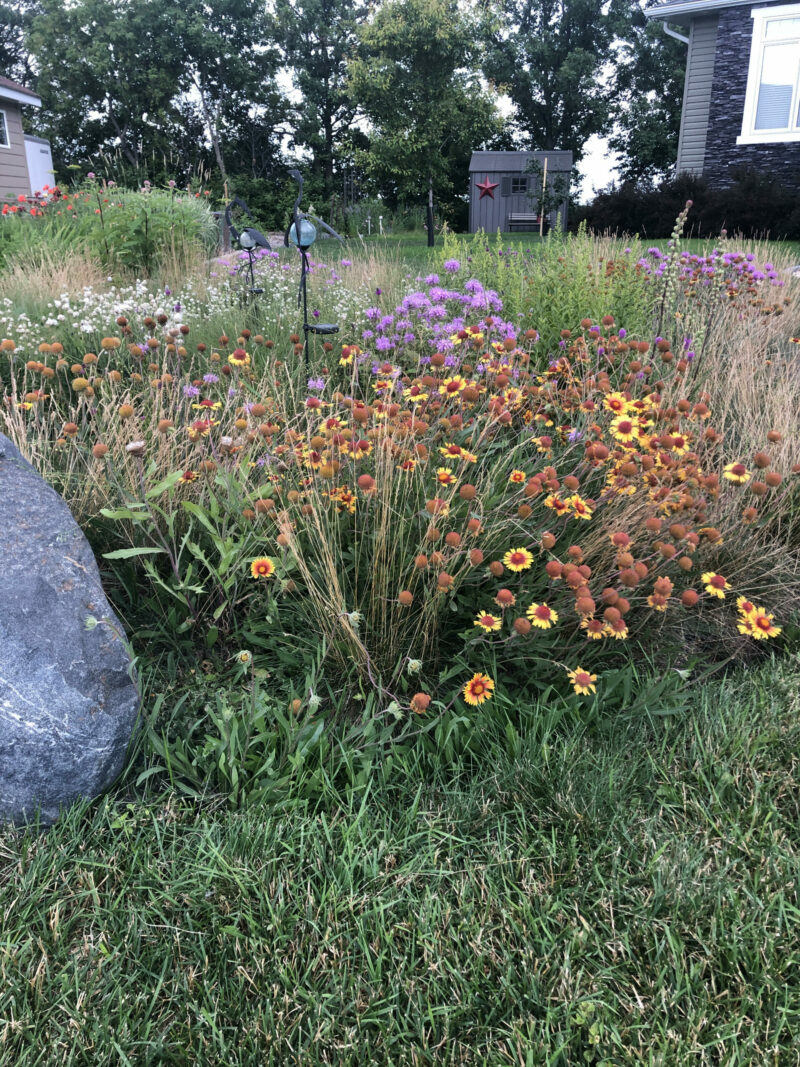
527,220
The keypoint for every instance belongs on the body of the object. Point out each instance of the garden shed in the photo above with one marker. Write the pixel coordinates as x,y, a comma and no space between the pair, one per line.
26,164
741,99
506,190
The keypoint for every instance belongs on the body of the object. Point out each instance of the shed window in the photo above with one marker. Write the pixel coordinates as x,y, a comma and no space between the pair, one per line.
519,186
772,103
4,141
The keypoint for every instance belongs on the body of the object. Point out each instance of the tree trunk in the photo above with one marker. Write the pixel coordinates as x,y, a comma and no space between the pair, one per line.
431,238
211,126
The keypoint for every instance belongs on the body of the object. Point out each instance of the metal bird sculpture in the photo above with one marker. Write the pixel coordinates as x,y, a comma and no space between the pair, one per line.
248,238
302,233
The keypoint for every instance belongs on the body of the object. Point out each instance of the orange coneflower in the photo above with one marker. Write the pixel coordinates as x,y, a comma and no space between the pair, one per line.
480,687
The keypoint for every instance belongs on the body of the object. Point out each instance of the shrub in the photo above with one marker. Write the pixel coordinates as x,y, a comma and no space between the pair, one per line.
753,205
137,232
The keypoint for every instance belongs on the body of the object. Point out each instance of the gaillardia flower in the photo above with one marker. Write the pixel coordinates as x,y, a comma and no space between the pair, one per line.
262,568
480,687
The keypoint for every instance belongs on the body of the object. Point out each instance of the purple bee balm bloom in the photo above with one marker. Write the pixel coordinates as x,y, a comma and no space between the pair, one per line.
347,262
231,392
473,286
191,390
451,360
367,335
574,435
432,279
383,344
452,266
408,338
372,313
210,379
316,383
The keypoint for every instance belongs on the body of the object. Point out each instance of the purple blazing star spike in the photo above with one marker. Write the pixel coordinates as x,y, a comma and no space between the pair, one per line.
623,333
315,313
378,292
167,291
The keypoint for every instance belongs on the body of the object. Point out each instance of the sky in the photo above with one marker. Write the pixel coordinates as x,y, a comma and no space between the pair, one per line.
597,168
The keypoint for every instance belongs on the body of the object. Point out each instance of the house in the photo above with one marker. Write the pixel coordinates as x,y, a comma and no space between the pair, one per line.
741,100
26,164
506,190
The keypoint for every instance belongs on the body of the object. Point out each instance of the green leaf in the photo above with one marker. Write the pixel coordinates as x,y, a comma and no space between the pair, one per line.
129,553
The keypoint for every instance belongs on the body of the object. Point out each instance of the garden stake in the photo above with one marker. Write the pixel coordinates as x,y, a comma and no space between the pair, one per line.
302,234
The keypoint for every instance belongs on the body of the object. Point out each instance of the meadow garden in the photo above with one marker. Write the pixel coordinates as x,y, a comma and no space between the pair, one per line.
467,647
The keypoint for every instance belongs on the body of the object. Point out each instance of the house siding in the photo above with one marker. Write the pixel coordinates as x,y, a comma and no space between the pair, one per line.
723,156
697,94
14,179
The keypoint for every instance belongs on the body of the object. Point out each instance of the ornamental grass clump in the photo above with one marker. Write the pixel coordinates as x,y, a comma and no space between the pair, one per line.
445,489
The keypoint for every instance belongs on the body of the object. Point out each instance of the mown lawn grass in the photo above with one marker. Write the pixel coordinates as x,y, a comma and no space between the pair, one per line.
623,891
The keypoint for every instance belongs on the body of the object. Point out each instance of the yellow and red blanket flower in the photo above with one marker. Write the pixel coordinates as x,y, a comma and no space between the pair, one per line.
794,340
518,559
616,402
414,394
444,476
517,477
487,622
479,688
582,681
542,616
262,567
758,623
625,429
578,506
559,506
453,386
210,405
617,628
189,476
201,428
407,465
239,358
715,584
451,450
595,629
737,473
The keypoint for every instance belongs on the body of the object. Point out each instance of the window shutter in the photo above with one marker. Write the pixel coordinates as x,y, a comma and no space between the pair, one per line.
505,186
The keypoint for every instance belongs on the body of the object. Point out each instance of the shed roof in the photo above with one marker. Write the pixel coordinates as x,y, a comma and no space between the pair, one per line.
517,162
12,91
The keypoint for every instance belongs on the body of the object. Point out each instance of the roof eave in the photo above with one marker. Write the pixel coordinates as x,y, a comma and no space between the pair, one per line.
20,98
685,10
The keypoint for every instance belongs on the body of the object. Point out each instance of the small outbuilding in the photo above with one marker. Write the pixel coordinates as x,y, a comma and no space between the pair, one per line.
506,190
26,164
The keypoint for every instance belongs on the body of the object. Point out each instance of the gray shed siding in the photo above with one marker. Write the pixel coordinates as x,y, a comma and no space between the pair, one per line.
14,180
697,94
491,212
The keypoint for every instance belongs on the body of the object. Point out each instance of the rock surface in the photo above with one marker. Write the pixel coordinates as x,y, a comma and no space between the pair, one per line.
68,704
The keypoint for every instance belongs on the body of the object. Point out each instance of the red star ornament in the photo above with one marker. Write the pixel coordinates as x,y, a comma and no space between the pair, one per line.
487,188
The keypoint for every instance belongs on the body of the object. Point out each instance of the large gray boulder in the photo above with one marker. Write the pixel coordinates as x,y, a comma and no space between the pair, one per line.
68,704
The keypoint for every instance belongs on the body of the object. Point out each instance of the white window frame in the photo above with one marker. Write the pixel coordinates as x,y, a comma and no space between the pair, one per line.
749,134
5,127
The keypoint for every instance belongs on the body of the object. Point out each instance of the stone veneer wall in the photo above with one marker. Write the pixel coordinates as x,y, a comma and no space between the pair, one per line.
723,155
